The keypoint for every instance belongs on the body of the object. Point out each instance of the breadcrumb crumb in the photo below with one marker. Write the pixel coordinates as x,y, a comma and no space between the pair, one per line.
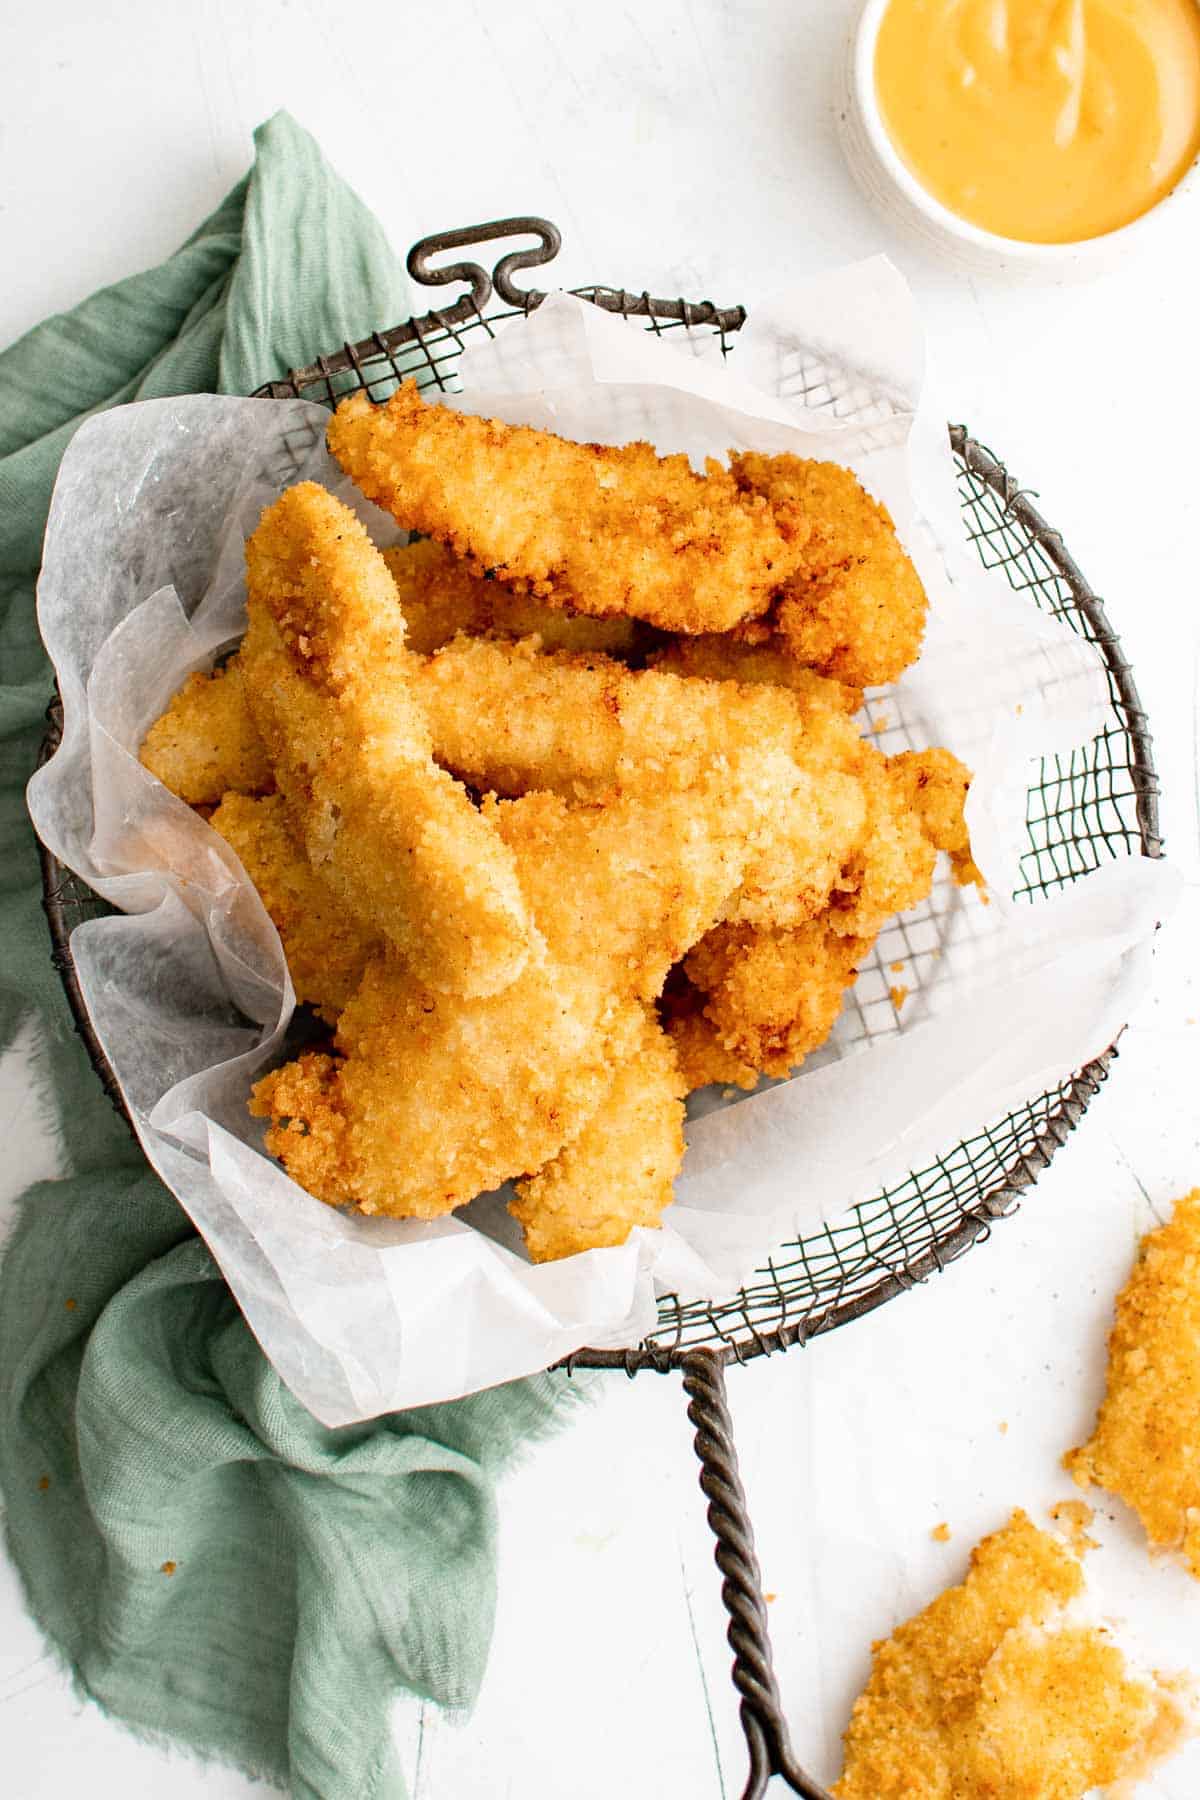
1075,1516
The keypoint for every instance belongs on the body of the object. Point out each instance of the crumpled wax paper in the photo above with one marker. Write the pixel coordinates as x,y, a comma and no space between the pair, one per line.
186,984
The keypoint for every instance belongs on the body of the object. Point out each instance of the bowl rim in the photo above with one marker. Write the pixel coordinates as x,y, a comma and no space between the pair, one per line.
864,36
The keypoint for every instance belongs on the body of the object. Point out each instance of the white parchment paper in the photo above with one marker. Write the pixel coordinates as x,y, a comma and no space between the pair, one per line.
187,986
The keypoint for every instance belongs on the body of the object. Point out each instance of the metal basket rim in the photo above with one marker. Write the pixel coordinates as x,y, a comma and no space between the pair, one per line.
1001,1199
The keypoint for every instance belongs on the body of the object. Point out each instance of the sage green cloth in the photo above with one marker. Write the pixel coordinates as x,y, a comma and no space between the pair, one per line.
215,1567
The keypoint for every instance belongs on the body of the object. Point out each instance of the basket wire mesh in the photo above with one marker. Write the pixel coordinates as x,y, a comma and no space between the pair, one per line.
1100,803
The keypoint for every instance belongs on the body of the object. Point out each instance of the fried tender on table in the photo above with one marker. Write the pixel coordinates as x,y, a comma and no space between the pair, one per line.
328,682
206,745
440,597
1146,1443
620,1171
433,1099
996,1692
597,529
855,610
326,951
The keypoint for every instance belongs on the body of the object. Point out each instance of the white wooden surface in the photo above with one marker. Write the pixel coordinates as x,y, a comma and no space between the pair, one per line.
688,148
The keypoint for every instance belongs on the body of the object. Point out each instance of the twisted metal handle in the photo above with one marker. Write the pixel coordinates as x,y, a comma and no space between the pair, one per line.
753,1670
480,282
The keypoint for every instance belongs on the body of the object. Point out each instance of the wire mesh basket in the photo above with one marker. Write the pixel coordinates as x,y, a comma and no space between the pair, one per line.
1082,812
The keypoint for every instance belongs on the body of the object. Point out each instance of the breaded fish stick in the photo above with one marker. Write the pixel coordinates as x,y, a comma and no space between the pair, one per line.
327,679
855,610
620,1171
600,530
326,950
997,1692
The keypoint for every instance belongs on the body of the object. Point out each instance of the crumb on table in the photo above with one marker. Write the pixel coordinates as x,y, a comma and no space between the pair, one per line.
1075,1516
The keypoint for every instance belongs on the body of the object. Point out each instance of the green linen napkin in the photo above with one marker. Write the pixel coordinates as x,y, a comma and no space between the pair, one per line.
215,1567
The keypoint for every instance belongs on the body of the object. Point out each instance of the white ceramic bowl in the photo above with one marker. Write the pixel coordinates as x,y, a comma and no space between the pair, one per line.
887,180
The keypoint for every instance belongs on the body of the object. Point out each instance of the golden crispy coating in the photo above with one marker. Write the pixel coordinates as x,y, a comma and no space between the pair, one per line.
584,725
620,1171
437,1098
767,990
723,657
205,744
327,679
326,951
936,785
581,725
601,530
434,1098
914,807
996,1692
1146,1444
771,996
440,597
856,609
628,885
702,1058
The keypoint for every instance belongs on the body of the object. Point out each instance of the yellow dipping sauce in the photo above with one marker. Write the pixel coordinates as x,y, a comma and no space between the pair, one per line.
1044,120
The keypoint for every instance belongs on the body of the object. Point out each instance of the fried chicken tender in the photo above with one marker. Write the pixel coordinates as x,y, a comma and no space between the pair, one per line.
328,682
601,530
620,1171
206,745
325,949
584,725
855,610
996,1691
764,995
434,1098
771,995
914,807
441,597
721,656
1146,1443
